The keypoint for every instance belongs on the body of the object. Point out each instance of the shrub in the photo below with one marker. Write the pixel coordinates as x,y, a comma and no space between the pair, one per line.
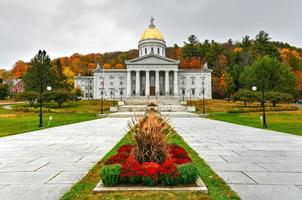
60,96
30,96
110,174
151,143
188,173
168,174
131,171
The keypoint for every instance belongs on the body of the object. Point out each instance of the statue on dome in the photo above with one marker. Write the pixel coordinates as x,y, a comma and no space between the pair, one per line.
152,22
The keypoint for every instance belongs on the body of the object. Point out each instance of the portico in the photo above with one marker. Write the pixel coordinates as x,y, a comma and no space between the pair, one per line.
152,82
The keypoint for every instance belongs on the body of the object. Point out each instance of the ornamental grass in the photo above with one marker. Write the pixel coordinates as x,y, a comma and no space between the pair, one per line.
150,140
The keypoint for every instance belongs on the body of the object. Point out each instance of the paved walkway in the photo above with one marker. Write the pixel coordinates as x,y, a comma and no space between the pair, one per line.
258,164
45,164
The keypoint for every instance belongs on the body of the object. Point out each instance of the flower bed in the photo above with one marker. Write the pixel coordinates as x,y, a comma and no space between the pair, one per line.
123,167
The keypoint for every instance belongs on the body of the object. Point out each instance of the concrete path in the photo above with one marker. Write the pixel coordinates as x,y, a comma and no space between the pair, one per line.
45,164
258,164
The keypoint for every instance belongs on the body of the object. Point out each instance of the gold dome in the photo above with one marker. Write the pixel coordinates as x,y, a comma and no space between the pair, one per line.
152,32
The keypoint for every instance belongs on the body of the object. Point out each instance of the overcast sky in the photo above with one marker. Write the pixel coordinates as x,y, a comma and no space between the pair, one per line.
64,27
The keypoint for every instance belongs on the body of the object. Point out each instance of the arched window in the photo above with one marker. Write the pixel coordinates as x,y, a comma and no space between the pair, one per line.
152,51
145,51
158,51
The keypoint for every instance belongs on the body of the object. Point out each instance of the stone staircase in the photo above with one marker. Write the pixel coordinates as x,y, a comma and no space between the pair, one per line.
166,106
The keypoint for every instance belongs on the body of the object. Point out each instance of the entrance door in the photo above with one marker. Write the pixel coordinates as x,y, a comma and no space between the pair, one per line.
152,91
152,83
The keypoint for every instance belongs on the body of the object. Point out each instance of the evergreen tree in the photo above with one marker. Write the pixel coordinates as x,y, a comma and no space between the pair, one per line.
39,75
262,46
59,77
191,49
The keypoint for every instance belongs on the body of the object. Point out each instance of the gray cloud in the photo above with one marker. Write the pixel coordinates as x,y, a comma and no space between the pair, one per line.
63,27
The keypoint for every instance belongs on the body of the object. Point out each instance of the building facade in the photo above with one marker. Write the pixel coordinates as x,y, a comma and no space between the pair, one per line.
151,74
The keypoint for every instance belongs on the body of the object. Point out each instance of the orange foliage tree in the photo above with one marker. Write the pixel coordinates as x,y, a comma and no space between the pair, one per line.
19,69
299,81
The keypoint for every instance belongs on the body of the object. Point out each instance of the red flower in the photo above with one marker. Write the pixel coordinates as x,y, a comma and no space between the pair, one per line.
168,167
117,159
131,168
125,148
179,154
150,169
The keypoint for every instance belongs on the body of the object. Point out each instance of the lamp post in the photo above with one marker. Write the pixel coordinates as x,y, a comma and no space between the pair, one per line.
203,92
102,90
121,93
41,106
190,97
254,88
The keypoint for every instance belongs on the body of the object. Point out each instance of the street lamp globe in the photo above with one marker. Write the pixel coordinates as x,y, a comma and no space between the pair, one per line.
254,88
49,88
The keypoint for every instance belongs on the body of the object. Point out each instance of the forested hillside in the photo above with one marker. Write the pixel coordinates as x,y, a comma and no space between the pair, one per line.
227,60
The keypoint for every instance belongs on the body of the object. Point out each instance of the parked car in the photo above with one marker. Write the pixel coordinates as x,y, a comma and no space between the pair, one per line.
299,101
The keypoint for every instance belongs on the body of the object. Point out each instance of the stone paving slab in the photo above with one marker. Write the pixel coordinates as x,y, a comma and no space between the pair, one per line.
266,165
45,164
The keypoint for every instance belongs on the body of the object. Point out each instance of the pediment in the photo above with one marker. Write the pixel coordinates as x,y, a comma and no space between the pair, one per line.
152,59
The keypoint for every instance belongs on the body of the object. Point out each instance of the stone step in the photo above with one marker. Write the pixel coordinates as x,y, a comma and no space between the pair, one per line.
172,108
132,108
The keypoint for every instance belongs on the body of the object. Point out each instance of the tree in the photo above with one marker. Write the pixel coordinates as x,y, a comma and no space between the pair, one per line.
276,97
191,48
77,93
30,96
60,96
4,90
262,46
245,95
19,69
59,77
269,74
38,77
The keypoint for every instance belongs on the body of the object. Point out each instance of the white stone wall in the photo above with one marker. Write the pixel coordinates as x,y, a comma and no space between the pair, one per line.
191,82
114,81
86,84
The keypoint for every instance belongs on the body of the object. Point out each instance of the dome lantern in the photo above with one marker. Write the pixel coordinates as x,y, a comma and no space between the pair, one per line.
152,41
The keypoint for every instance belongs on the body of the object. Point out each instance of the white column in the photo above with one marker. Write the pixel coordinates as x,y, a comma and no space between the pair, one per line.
156,82
137,84
147,84
167,83
175,83
128,83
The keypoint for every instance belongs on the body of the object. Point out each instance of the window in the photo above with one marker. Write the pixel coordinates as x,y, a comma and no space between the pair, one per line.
158,51
193,80
151,49
111,82
145,50
121,82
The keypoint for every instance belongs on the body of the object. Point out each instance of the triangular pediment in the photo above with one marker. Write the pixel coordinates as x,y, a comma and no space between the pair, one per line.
152,59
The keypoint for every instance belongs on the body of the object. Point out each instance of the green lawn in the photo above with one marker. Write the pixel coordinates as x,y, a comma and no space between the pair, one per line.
285,121
18,121
218,190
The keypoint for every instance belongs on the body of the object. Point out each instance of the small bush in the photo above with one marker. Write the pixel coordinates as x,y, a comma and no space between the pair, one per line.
188,173
147,180
110,174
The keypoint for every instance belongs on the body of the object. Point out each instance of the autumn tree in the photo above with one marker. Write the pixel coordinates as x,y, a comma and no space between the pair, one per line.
19,69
